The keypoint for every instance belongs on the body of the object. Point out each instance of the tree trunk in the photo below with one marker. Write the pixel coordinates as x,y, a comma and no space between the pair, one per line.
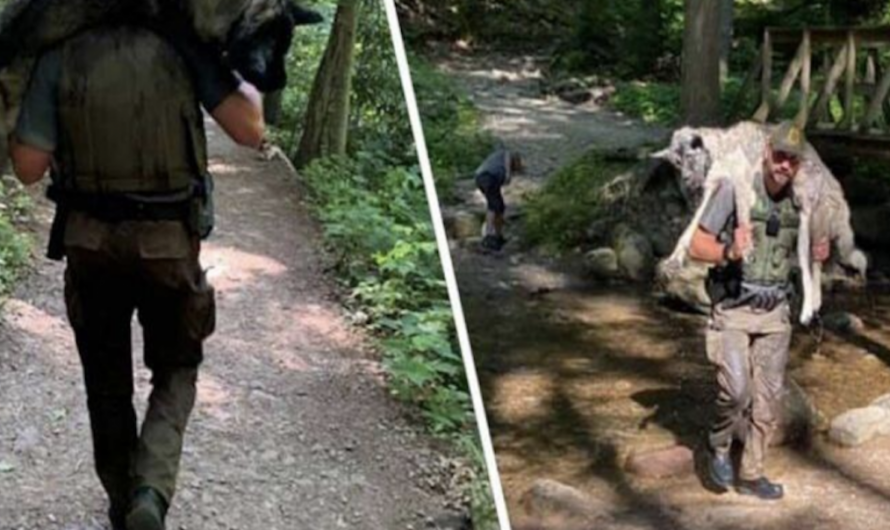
727,19
327,114
272,107
701,63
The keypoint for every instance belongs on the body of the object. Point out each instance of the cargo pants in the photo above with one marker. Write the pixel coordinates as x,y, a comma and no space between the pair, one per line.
149,268
750,350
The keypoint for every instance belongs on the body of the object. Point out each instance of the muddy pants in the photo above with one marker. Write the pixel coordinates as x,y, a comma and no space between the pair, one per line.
150,269
750,350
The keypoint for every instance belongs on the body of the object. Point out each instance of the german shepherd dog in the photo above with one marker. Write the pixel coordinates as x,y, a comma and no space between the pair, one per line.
253,35
705,157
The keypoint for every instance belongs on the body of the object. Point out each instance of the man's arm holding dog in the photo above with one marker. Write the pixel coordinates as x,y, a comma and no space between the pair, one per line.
705,245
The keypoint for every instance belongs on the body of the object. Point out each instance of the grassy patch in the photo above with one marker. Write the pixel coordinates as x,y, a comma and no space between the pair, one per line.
558,215
451,126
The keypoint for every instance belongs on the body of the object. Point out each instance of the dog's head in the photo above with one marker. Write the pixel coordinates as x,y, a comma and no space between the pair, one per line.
258,43
688,155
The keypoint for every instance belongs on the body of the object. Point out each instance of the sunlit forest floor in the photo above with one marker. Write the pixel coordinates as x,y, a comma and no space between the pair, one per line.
293,428
576,376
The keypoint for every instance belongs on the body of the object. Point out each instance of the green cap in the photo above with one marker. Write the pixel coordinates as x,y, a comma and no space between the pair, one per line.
788,138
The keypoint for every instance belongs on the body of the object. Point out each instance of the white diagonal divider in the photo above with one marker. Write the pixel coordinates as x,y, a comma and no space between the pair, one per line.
447,266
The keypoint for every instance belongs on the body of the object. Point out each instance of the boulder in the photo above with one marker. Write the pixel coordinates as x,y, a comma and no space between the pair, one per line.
601,263
636,260
665,462
548,499
857,426
576,96
686,284
461,224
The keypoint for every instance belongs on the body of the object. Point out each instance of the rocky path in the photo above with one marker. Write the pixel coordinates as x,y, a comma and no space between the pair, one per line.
293,428
578,377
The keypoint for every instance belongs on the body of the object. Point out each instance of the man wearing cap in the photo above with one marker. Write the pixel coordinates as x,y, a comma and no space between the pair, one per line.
749,333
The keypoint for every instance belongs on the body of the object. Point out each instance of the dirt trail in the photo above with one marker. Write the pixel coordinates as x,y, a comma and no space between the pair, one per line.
577,375
293,428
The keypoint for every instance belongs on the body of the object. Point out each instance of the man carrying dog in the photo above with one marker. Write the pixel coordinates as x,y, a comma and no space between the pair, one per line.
115,114
749,332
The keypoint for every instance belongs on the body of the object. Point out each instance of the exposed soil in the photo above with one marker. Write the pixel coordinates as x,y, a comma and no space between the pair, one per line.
576,374
293,427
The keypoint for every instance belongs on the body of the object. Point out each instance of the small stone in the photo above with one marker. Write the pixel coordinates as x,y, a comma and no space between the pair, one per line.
548,499
601,263
662,463
857,426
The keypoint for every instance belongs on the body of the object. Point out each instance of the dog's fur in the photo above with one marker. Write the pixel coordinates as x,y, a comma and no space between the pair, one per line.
255,35
707,158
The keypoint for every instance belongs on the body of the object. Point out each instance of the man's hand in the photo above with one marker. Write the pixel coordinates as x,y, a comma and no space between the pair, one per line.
821,250
742,242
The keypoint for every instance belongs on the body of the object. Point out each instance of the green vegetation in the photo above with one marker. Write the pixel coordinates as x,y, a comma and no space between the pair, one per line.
558,215
451,127
14,245
376,223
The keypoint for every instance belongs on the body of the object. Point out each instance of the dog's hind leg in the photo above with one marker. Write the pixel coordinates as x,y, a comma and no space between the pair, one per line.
681,251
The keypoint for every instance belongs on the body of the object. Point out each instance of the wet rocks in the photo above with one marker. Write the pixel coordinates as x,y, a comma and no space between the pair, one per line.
857,426
549,499
661,463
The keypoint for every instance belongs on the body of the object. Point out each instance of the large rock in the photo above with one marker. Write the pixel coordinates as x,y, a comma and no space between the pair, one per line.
686,284
635,257
665,462
601,263
549,500
462,224
857,426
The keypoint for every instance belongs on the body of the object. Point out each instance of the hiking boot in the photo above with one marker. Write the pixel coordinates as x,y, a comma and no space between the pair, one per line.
720,470
760,488
147,510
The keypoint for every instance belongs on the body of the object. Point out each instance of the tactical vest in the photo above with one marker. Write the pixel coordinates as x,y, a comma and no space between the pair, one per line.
129,120
773,257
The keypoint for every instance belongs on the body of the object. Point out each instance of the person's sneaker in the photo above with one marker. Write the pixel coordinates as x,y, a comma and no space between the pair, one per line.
760,488
493,242
147,510
720,470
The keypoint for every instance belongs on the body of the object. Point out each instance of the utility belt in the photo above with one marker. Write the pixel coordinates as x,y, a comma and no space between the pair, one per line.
760,297
192,206
118,208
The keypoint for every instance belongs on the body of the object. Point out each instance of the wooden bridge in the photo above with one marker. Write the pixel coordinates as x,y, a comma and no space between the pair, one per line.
843,103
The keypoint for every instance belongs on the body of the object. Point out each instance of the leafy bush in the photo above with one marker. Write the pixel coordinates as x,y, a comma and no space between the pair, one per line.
651,102
451,127
14,245
558,215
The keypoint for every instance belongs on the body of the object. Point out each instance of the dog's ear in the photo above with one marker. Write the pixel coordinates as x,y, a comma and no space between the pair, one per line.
302,16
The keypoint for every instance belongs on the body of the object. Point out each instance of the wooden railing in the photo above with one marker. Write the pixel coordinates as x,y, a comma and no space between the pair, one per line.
853,66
